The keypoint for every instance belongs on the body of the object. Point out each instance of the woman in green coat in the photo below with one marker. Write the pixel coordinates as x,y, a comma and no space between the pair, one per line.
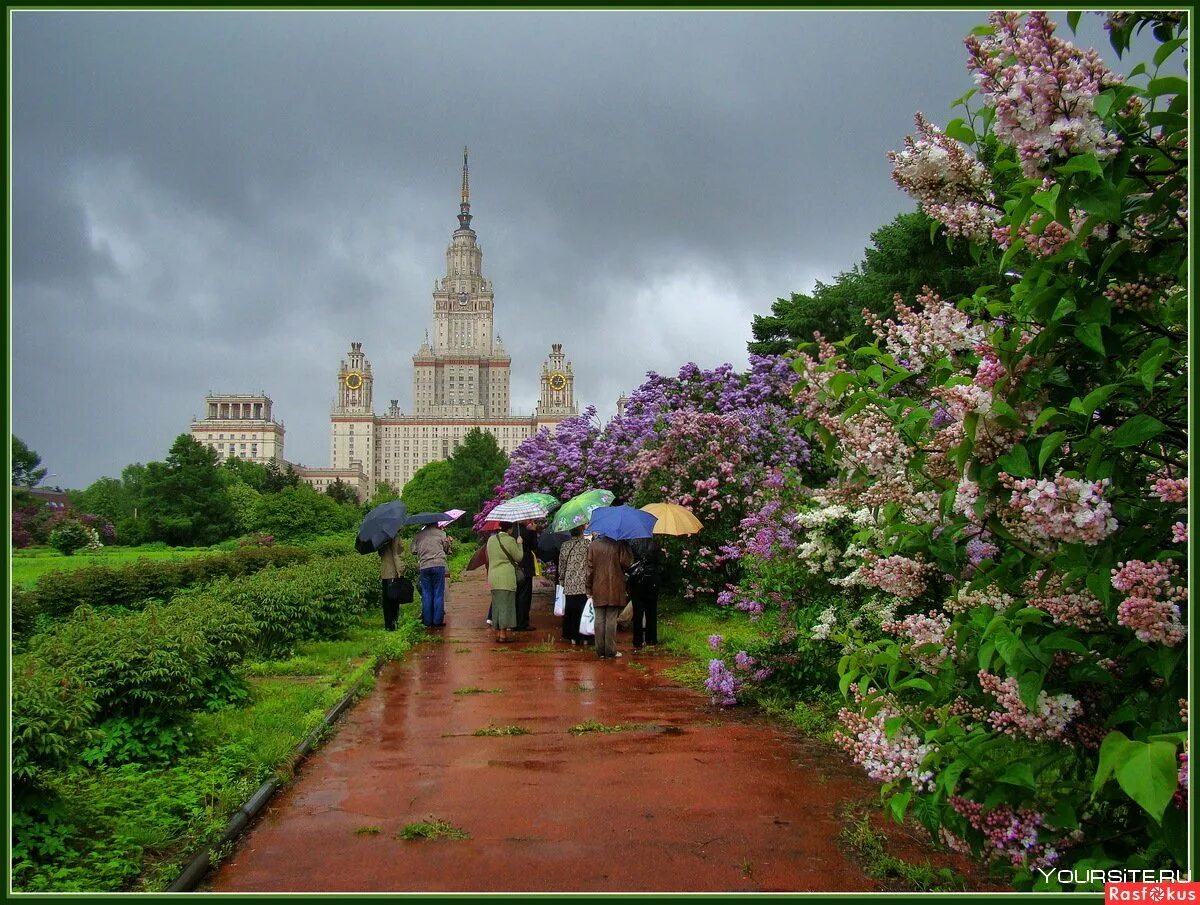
504,554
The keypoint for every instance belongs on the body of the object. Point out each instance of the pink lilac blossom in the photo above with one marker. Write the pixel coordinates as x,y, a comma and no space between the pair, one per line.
1049,720
1179,533
971,598
1066,509
920,337
1077,607
1013,836
922,629
1043,90
1169,489
884,759
1152,602
990,370
897,575
715,641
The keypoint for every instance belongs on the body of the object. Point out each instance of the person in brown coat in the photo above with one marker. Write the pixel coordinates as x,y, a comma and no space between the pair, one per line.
607,561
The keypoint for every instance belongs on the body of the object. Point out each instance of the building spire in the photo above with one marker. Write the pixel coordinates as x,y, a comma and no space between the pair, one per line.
464,208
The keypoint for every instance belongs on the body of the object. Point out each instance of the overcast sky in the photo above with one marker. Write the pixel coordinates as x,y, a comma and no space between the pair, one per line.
224,201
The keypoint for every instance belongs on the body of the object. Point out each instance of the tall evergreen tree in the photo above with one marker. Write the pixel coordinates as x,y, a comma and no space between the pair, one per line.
25,462
185,503
903,258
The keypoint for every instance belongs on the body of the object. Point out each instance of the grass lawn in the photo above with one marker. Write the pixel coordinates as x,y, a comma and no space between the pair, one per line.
30,564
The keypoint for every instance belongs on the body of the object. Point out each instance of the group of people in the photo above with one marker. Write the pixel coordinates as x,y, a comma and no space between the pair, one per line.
430,547
611,573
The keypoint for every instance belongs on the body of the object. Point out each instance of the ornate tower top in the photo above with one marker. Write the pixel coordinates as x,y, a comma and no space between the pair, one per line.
464,207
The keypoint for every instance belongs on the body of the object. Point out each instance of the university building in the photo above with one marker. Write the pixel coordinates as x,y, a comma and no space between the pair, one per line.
460,381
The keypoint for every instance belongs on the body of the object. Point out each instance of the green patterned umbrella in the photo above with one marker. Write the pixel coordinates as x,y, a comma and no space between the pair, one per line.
578,510
548,501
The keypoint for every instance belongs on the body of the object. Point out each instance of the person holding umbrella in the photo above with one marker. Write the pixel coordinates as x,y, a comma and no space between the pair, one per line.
504,555
572,575
378,533
430,546
607,560
529,538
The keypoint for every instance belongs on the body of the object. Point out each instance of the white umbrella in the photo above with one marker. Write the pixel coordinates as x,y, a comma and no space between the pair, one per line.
517,511
453,513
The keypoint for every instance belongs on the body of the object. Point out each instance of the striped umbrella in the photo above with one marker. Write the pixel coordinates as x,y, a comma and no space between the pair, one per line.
516,511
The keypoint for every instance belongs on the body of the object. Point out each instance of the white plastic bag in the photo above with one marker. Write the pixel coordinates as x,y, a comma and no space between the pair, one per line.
560,600
587,622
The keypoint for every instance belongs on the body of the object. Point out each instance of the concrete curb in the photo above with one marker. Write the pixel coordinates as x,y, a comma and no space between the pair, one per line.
202,862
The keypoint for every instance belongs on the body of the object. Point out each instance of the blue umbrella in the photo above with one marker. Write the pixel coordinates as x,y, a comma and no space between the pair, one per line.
622,522
380,526
427,518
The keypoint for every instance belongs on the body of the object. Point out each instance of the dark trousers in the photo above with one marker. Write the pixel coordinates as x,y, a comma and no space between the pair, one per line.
645,610
524,601
391,608
574,609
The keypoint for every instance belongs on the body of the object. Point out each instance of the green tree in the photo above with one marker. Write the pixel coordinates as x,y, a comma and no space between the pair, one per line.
299,512
243,498
252,474
903,258
384,493
106,497
185,501
342,493
25,462
431,489
279,478
476,467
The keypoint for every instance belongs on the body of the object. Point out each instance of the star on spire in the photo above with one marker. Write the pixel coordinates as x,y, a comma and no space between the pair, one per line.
464,207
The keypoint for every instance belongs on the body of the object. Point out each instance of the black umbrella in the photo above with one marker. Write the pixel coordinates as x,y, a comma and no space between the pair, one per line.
380,526
427,518
550,542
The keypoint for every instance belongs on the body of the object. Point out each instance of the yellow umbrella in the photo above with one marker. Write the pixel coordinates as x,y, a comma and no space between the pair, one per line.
673,519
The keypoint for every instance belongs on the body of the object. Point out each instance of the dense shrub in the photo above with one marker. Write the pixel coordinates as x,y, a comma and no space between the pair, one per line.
161,661
58,593
52,714
311,601
72,535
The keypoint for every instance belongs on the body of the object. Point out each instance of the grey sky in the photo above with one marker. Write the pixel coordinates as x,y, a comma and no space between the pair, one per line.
224,201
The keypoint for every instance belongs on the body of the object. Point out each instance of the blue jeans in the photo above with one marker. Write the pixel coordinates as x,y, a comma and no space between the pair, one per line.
433,595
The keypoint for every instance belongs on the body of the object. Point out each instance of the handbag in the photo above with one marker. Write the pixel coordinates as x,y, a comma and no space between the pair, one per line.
516,568
399,590
587,622
560,600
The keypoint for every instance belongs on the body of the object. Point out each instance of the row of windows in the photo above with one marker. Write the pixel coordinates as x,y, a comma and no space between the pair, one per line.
232,437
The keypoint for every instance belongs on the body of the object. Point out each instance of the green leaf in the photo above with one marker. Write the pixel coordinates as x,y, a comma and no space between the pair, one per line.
1151,366
1149,774
899,804
960,131
1096,398
1065,306
1112,749
1115,252
1048,201
1081,163
1137,430
1160,55
1073,19
1100,584
915,683
1167,84
1050,445
1043,418
951,775
1016,462
1018,774
1090,336
1030,686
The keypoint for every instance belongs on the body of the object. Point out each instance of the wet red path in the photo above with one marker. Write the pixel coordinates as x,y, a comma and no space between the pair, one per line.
687,798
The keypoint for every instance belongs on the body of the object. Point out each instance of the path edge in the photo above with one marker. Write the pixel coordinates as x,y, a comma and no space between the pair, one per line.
202,862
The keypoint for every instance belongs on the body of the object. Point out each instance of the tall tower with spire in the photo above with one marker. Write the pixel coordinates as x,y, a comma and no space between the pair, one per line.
463,370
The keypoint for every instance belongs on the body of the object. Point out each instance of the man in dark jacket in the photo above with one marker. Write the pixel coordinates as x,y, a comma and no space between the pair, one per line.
643,589
607,561
529,538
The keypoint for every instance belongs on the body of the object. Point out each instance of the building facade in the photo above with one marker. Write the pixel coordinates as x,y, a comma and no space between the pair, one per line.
241,426
460,380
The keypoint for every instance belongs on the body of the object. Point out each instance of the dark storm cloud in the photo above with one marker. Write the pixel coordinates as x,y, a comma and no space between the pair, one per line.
224,201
